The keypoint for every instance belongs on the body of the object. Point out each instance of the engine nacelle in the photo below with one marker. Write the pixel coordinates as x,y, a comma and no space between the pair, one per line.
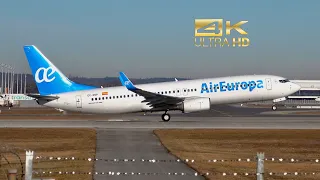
196,104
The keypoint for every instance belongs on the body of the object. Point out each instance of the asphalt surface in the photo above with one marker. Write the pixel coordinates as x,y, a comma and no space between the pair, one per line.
140,146
176,122
216,111
130,136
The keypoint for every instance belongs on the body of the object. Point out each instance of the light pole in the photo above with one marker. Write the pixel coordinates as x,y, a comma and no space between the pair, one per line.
2,78
5,80
9,79
21,84
12,81
25,83
17,83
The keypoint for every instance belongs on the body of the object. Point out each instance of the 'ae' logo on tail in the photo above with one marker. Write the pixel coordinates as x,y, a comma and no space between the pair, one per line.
46,73
127,83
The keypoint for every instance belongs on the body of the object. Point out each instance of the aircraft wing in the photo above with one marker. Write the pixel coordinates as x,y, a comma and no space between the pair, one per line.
40,97
153,99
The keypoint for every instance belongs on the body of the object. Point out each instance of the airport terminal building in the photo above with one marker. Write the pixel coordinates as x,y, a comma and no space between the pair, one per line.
308,94
307,97
308,88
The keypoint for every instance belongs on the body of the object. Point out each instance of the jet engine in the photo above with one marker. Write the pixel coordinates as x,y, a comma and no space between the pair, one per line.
195,104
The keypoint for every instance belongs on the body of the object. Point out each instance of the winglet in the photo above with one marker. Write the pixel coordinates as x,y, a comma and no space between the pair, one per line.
125,81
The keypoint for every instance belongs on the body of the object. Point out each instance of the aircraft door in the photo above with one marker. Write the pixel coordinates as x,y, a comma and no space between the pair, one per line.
269,84
78,101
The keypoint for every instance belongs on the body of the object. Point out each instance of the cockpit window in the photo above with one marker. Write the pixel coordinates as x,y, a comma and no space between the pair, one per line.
284,80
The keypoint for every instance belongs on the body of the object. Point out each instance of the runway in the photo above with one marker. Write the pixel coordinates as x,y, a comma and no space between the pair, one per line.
130,136
136,144
147,122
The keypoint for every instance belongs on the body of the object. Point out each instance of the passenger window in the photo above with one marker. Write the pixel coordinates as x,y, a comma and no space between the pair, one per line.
99,98
110,97
173,91
102,98
169,92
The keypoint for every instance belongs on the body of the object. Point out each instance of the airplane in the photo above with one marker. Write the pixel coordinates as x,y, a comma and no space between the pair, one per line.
57,91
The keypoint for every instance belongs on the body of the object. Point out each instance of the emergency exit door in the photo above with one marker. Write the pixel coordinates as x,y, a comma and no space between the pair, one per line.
78,101
268,83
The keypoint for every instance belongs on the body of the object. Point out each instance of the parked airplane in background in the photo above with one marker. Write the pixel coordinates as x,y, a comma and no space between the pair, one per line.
57,91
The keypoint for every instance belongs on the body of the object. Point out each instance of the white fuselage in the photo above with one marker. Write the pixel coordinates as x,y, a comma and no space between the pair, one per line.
228,91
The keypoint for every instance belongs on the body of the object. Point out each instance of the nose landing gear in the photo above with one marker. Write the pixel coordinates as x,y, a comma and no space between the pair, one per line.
274,107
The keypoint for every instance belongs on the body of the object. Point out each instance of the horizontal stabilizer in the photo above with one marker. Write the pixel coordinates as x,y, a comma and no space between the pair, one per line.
38,96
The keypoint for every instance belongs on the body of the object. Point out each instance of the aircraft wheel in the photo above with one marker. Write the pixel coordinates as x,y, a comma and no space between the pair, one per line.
274,107
165,117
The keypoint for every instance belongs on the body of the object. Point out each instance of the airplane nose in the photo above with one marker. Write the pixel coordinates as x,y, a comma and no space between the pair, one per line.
295,87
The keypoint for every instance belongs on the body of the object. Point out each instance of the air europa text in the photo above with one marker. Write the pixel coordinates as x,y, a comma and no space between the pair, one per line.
224,86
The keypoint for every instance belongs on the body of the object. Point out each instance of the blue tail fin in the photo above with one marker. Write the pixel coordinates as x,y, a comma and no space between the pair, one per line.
125,81
48,78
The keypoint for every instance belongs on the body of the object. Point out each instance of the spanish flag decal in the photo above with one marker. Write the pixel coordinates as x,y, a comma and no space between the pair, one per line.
104,93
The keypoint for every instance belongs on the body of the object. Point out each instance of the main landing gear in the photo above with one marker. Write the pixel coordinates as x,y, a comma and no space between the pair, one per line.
165,117
274,107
